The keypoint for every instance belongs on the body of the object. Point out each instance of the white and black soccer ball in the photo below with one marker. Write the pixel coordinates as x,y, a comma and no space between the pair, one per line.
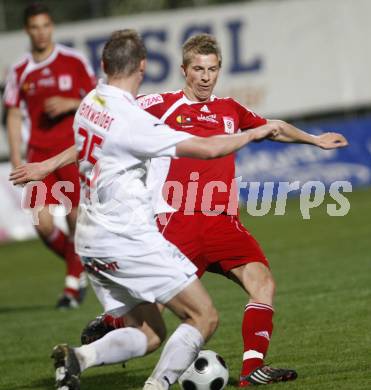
208,372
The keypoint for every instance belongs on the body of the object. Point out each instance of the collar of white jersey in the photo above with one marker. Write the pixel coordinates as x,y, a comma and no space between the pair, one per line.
105,89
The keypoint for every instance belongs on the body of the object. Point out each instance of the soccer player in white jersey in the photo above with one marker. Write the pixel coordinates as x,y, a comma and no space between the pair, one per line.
130,264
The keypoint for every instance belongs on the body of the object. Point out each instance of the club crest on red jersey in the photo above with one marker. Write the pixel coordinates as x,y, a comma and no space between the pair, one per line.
228,124
65,82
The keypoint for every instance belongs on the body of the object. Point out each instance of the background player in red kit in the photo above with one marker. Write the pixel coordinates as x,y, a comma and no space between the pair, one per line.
203,220
51,80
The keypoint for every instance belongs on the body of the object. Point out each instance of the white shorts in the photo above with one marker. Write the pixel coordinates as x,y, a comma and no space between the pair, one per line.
122,283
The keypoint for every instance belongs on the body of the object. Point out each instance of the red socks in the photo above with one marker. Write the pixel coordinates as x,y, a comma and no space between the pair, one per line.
74,269
60,244
257,329
57,242
114,322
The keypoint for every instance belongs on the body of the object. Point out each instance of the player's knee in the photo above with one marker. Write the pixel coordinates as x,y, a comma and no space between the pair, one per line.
154,342
209,321
213,320
155,338
71,221
271,286
44,230
264,289
161,335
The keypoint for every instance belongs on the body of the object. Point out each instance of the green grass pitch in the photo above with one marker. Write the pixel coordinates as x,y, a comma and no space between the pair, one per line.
323,307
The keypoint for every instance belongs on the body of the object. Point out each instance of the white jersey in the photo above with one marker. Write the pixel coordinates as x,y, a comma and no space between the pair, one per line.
115,140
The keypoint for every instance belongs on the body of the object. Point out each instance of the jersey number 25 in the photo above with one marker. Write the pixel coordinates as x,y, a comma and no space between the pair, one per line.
87,151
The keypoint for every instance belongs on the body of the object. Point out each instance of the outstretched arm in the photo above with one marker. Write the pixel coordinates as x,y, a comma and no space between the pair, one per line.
290,133
37,171
222,145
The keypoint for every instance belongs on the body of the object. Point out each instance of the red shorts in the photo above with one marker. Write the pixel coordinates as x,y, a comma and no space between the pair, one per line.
213,243
69,173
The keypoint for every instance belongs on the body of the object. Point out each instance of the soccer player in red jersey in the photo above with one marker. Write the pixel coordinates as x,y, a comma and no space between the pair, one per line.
50,81
197,202
203,219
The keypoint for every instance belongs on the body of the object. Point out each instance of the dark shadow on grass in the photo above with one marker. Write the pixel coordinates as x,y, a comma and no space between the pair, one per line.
233,382
34,308
125,380
41,384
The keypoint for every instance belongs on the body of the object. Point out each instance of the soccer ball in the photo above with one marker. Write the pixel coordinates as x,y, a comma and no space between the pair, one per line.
207,372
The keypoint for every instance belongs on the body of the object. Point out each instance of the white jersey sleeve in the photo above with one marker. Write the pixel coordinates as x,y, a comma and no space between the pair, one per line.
11,92
152,138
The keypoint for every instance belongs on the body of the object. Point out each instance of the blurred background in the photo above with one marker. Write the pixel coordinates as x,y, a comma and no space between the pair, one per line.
304,61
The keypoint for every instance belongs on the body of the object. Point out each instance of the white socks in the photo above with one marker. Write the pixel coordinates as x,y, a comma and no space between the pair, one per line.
178,354
126,343
117,346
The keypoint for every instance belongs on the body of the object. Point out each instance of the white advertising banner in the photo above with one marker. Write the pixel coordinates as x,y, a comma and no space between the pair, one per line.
17,223
281,58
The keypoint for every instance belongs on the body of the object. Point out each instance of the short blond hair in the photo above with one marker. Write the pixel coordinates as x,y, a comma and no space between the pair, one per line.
200,44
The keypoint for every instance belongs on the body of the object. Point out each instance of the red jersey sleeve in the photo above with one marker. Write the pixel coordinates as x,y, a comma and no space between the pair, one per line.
153,103
87,80
248,119
12,90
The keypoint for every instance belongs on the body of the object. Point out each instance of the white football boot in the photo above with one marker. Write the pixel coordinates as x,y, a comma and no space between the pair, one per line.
153,384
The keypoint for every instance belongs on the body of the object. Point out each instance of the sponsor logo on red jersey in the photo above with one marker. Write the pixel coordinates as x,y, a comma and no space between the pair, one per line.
204,108
208,118
46,82
149,100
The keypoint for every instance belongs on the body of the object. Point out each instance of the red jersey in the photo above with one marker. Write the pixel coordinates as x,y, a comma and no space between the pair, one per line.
64,73
205,185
